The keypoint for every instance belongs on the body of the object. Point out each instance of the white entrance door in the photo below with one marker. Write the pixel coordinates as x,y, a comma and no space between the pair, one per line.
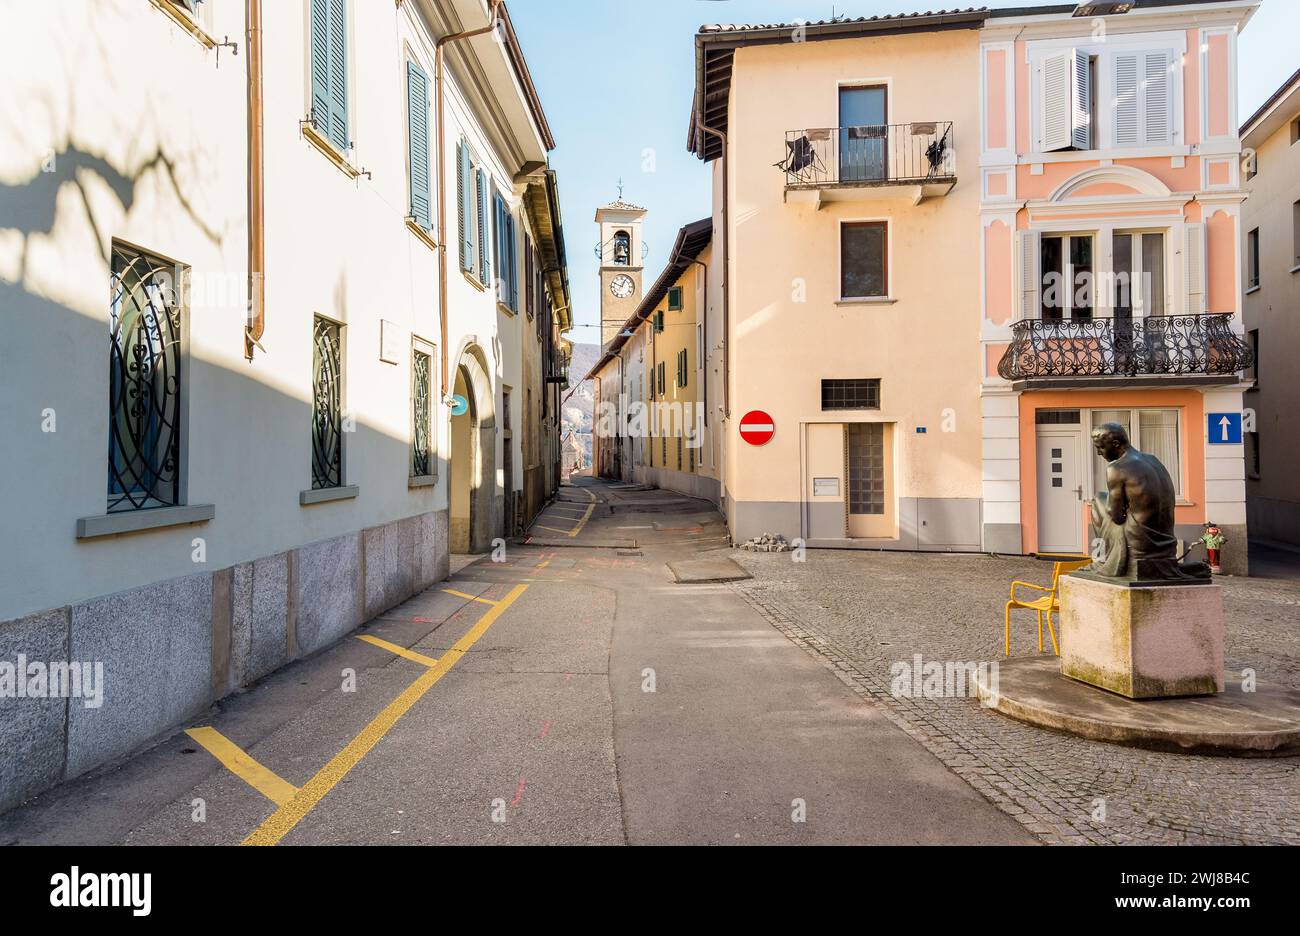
1060,493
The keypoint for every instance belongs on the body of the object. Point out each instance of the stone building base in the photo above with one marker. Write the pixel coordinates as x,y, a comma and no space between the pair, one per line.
171,649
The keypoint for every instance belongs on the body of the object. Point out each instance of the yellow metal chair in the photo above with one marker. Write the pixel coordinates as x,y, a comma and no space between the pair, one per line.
1045,605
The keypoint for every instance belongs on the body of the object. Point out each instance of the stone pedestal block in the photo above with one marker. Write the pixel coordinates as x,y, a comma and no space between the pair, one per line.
1144,642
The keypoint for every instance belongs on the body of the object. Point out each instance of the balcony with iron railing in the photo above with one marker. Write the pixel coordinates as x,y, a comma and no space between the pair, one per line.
1092,352
914,160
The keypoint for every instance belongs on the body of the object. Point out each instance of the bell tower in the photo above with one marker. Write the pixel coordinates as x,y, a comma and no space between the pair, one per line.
620,250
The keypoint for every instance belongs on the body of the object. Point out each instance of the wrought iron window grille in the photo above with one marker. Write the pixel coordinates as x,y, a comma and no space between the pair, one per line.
327,405
145,344
421,436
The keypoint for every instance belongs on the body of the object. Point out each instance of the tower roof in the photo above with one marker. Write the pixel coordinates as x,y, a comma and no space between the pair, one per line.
619,204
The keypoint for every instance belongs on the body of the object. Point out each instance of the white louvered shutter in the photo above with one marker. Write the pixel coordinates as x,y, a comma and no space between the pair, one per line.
1126,100
1028,279
1194,267
1081,103
1056,105
1157,122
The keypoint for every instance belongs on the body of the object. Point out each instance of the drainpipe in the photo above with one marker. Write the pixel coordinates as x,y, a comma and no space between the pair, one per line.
726,266
441,174
256,326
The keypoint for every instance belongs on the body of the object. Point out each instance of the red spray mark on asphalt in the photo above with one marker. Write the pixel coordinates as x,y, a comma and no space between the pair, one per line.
519,793
546,729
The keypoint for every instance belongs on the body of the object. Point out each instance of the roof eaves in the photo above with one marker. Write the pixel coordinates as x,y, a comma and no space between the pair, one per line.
1286,88
520,65
726,38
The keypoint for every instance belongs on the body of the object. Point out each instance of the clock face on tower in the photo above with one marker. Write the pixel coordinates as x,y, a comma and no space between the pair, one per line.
621,286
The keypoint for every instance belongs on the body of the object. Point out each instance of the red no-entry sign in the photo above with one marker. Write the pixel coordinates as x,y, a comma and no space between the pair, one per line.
756,427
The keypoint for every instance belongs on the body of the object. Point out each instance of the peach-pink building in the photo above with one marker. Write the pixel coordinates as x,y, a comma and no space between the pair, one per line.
1110,207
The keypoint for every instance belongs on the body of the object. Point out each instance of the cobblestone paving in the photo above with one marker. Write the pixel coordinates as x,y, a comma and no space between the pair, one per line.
860,612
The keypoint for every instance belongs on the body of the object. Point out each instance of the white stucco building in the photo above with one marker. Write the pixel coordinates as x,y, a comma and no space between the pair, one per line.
250,253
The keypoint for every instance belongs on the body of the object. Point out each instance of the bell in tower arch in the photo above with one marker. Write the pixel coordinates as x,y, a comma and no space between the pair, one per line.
622,248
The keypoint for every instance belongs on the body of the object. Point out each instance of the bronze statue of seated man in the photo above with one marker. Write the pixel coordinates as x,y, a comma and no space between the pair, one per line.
1135,517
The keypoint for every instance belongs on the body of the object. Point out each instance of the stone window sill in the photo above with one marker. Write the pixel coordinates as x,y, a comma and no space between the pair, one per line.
185,22
473,281
1252,289
327,495
426,237
505,309
332,153
422,481
867,300
136,521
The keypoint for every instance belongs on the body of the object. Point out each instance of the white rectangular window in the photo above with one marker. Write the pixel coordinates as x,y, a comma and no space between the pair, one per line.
1138,261
1158,432
1066,267
1153,431
1065,101
1143,99
1295,233
864,260
1252,259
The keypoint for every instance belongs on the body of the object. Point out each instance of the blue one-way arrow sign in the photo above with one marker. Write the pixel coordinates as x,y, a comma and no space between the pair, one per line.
1223,428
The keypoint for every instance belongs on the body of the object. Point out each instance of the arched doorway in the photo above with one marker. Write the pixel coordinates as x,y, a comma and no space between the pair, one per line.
473,462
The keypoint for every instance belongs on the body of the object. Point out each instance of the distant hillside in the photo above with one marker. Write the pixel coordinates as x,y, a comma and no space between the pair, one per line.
577,409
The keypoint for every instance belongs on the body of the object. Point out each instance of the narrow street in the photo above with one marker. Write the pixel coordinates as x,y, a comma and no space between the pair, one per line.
572,693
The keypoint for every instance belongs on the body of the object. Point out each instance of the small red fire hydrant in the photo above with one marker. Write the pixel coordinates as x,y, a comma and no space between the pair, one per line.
1213,539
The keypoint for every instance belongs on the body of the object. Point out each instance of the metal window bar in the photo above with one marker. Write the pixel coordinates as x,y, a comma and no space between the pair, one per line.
327,406
851,394
145,318
421,436
870,155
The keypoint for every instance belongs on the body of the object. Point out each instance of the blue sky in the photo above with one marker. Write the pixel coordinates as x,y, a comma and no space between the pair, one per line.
616,78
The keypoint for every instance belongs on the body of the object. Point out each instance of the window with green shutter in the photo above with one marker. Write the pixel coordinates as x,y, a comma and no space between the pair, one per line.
329,70
481,201
417,116
465,199
499,249
507,255
674,299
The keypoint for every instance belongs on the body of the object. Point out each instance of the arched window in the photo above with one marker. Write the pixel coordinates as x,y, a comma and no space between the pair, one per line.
622,248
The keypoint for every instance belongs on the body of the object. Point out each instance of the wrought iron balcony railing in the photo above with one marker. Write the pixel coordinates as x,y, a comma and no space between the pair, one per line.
885,154
1176,345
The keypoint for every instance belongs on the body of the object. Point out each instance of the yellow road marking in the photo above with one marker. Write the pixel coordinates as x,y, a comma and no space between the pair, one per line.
282,821
264,781
552,529
583,522
400,651
452,591
544,564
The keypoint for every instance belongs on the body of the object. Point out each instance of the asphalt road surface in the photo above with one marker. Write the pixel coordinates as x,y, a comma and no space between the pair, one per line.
572,693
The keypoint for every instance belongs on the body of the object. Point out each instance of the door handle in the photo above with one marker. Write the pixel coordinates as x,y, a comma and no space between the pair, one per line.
1079,492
